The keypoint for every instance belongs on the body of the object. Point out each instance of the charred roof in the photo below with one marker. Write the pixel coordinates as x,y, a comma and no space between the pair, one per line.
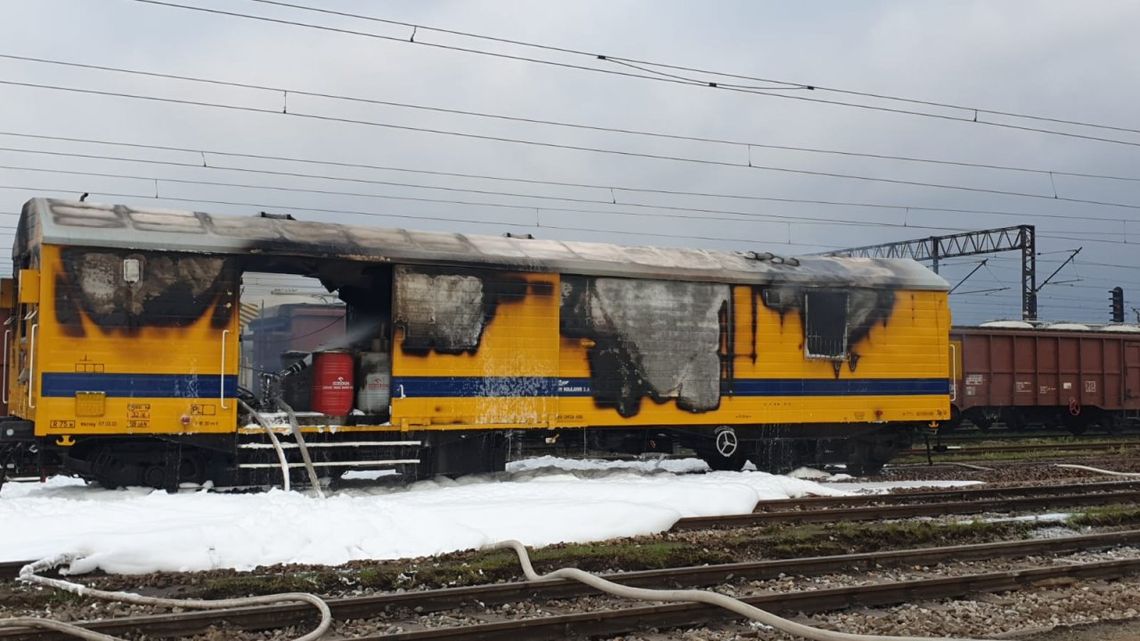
50,221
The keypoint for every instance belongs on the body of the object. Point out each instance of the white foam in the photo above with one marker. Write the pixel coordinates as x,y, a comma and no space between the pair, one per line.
539,502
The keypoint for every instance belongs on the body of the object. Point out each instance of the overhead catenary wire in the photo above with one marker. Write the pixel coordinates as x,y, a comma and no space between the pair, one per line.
573,125
739,216
203,156
970,115
783,219
784,84
564,146
742,216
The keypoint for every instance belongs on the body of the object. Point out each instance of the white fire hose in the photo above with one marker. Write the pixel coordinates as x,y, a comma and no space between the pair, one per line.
1097,470
28,574
698,596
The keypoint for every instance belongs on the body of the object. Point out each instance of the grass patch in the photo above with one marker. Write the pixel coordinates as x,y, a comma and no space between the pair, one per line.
644,553
223,587
15,596
594,557
1107,516
470,568
851,538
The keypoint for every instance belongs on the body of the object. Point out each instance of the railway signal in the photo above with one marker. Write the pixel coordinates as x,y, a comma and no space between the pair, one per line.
1117,304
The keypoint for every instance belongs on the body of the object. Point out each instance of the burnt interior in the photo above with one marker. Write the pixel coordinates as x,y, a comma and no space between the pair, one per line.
124,290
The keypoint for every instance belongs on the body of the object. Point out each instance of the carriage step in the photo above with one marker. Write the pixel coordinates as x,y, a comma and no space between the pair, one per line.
410,461
311,445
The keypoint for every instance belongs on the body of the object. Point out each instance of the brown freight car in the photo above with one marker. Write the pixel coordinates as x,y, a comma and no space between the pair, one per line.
1074,378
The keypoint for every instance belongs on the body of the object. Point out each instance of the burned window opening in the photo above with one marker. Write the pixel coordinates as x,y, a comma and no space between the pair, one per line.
825,324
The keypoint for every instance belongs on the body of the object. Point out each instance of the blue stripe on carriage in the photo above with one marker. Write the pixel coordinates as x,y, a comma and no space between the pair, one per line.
501,386
61,384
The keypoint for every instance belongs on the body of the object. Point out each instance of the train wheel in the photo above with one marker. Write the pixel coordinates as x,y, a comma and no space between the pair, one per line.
979,419
1013,420
859,457
780,456
1074,420
1112,422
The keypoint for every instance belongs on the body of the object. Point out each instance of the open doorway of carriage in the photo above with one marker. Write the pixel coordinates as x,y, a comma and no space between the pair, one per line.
296,313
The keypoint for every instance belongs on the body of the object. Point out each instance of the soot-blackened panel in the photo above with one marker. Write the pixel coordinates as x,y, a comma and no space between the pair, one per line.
173,290
865,308
651,338
448,311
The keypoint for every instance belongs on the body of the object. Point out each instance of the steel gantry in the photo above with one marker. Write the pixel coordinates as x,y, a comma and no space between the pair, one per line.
933,249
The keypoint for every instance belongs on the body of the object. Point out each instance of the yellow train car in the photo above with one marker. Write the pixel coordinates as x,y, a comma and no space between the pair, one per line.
122,359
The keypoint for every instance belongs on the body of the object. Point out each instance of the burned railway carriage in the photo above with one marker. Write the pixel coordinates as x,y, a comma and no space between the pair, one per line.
122,361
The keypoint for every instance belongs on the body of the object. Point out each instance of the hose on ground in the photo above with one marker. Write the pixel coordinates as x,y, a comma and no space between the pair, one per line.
696,596
29,574
272,439
1097,470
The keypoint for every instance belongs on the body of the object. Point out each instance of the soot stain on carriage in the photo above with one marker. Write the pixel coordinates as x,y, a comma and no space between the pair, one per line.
174,290
662,340
865,308
753,299
447,309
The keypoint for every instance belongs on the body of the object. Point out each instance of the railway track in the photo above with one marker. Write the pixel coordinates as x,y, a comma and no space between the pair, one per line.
1031,447
962,494
675,615
908,510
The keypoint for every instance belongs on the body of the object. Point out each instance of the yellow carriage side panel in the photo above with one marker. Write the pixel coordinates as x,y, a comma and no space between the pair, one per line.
156,355
895,371
474,348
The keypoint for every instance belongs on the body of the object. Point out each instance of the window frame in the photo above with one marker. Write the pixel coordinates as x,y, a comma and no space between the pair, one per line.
808,354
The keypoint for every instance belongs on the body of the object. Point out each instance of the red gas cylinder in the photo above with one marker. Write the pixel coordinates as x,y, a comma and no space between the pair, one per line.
332,382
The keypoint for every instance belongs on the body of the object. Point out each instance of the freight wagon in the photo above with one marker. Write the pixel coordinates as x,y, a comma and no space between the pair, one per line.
122,364
1020,375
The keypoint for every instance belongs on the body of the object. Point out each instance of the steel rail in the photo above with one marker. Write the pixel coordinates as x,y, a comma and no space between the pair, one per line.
905,511
190,623
1031,447
962,493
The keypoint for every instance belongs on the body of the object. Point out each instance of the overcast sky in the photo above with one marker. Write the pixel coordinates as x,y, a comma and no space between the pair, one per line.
1068,60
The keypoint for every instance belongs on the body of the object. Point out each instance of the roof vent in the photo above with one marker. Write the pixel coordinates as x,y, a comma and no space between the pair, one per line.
270,216
522,236
769,257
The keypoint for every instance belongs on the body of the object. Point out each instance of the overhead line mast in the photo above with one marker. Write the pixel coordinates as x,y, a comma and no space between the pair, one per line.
933,249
